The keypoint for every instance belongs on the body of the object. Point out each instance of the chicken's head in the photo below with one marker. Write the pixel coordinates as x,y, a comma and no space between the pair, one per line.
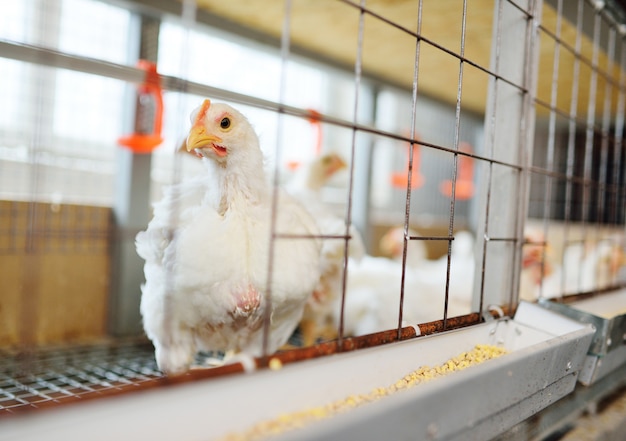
331,163
536,257
323,168
392,243
221,133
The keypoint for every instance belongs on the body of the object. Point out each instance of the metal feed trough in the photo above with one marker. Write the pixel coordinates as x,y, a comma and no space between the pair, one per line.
607,313
545,353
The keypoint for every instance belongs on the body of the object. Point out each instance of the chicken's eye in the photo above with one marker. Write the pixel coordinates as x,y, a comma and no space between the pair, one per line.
225,123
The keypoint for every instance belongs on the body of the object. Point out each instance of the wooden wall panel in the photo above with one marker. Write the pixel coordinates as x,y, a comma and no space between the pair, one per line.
330,28
55,270
10,293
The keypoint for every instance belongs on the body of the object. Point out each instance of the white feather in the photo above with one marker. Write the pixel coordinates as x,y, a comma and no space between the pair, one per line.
207,253
374,285
306,185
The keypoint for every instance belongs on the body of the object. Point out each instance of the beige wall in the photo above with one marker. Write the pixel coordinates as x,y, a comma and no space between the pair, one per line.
54,273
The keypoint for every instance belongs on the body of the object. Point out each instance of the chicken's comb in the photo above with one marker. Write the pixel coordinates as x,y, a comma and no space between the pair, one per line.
202,112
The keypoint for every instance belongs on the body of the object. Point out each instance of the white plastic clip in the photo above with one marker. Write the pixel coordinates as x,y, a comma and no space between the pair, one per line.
487,316
416,328
497,309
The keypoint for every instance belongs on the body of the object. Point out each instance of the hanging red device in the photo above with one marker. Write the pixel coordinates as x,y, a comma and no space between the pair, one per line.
315,121
401,179
149,112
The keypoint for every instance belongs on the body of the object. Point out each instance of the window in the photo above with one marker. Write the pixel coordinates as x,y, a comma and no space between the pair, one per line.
58,127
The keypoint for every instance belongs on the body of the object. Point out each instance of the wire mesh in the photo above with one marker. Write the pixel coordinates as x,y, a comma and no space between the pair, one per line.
43,377
577,169
559,160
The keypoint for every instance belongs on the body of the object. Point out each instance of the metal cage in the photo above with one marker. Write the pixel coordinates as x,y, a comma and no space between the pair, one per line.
502,119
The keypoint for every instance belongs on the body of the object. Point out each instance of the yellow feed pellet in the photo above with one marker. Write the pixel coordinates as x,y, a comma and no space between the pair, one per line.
275,364
285,422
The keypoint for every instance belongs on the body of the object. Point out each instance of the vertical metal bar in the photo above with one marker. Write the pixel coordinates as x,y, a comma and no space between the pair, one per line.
606,127
46,26
492,143
359,181
591,115
571,140
357,87
589,135
131,207
188,17
285,42
457,126
407,204
619,134
532,50
547,203
509,125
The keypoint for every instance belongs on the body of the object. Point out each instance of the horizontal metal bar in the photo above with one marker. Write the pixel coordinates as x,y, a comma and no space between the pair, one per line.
501,239
311,236
431,238
54,58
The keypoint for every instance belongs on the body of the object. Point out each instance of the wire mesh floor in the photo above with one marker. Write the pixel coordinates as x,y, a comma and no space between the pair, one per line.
48,376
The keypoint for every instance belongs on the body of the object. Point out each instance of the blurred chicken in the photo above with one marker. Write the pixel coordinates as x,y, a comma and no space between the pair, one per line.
610,265
592,265
539,275
392,245
309,179
208,246
372,296
373,291
306,185
432,276
584,267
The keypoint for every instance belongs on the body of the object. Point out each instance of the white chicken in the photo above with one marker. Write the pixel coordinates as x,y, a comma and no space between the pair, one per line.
208,246
306,186
392,244
584,267
431,277
538,276
309,179
373,291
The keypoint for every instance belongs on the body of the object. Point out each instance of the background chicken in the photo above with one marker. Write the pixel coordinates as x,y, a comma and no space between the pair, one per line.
306,186
373,289
583,267
392,245
432,276
207,251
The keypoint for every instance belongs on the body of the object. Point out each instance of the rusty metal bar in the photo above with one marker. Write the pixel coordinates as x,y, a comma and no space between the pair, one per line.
407,200
457,129
358,69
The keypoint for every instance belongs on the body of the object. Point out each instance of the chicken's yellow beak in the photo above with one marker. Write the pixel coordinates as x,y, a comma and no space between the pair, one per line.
199,138
333,163
197,135
392,243
339,164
